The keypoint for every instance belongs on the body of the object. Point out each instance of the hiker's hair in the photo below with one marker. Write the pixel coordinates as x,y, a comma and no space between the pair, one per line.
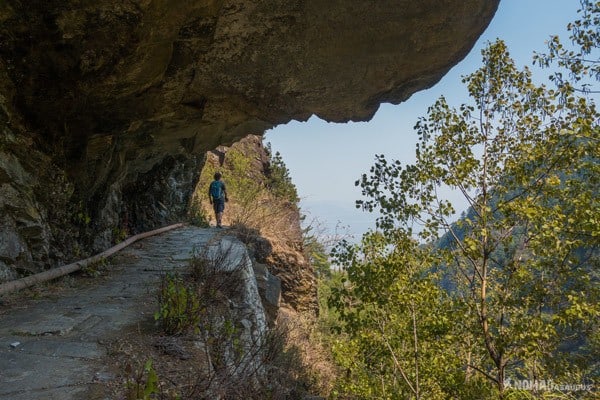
217,176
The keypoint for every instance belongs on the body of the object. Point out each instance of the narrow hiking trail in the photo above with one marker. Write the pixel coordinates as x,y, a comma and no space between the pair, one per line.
55,347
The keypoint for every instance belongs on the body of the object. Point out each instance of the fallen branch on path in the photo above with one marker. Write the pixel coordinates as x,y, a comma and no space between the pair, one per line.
54,273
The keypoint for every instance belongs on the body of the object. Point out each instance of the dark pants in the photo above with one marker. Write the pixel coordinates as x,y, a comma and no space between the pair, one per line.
219,205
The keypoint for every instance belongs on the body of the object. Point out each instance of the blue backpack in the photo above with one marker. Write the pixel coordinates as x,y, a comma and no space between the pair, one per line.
216,189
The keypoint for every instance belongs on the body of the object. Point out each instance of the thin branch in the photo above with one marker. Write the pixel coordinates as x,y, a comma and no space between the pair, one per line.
394,358
416,346
487,375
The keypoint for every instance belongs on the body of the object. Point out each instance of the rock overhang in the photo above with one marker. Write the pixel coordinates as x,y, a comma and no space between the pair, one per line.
111,104
215,70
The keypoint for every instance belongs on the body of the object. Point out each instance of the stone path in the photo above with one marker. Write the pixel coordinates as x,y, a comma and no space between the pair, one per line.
50,349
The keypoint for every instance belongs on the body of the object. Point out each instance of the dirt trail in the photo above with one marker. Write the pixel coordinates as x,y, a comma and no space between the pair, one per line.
53,348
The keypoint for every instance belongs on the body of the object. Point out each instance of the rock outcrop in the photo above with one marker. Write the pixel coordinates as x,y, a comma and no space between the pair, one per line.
266,220
106,106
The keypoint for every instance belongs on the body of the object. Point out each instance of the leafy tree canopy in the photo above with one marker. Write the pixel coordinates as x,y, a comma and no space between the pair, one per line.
519,273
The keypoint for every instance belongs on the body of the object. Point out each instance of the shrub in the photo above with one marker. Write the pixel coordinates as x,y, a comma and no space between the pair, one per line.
179,305
197,215
144,383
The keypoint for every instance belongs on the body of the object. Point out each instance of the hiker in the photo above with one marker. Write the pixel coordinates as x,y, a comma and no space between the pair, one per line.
217,195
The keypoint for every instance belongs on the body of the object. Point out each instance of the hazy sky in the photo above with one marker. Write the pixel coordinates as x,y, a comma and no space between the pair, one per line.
325,159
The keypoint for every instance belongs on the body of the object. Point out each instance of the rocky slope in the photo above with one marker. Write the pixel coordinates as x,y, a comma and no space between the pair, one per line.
106,107
263,216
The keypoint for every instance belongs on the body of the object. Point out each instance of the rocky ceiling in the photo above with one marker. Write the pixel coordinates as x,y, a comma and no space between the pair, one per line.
119,94
198,73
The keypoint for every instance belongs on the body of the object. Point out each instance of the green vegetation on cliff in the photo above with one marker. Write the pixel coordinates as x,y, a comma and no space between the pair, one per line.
258,184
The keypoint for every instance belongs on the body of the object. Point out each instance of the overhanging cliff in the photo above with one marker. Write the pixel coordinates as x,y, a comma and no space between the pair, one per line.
107,105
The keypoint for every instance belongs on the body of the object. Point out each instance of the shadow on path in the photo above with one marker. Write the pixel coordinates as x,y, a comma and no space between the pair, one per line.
52,348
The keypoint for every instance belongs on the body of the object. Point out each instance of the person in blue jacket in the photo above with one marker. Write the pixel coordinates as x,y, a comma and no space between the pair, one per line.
217,195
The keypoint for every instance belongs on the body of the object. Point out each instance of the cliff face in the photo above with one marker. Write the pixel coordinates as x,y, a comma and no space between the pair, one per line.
262,215
106,106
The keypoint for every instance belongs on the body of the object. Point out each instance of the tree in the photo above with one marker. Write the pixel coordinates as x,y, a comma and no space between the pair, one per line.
582,62
280,181
520,267
398,340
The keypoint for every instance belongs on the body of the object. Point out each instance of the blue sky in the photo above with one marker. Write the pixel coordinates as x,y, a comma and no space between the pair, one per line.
325,159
